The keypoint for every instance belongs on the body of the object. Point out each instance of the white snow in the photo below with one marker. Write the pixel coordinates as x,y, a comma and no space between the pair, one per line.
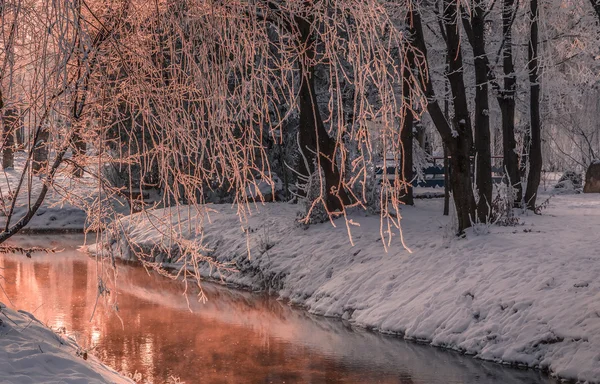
32,353
526,295
55,214
261,188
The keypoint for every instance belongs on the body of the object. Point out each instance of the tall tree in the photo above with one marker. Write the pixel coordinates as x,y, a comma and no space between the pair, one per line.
10,123
462,144
317,147
55,83
458,138
535,149
406,134
483,176
8,28
505,93
507,101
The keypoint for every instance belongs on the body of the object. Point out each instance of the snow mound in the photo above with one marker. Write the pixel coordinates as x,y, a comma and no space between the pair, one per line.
32,353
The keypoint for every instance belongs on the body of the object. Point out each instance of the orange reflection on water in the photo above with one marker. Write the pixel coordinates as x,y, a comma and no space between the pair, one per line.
237,337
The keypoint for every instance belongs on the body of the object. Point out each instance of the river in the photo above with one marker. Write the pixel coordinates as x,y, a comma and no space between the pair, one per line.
236,337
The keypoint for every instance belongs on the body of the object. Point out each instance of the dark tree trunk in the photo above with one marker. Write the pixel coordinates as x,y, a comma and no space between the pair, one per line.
20,134
447,189
446,182
506,94
79,150
11,119
535,151
506,99
406,136
420,136
482,118
459,141
524,159
40,152
596,5
315,144
460,144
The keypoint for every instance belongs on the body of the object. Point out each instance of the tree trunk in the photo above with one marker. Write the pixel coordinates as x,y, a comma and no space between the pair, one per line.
20,134
596,5
406,136
40,152
315,144
458,141
506,100
506,94
524,158
482,118
447,189
535,152
11,119
446,182
461,143
79,150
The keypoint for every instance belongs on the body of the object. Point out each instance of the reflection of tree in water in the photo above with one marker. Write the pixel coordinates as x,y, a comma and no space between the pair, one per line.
8,271
79,288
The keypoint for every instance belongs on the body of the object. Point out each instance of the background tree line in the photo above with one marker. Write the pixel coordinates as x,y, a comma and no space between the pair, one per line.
206,100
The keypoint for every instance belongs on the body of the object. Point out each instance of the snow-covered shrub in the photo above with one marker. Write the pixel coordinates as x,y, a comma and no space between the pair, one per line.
264,240
266,190
372,191
312,189
480,228
575,177
565,187
421,161
545,204
503,206
570,182
113,176
483,227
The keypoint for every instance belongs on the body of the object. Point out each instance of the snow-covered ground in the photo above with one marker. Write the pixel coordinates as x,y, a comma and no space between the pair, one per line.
527,295
32,353
56,213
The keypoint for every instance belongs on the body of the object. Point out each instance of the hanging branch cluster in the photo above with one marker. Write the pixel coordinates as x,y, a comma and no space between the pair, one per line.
189,89
181,94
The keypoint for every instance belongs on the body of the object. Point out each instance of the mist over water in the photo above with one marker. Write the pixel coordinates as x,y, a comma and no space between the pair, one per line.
236,337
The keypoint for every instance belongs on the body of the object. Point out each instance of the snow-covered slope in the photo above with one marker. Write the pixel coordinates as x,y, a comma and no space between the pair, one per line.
32,353
526,295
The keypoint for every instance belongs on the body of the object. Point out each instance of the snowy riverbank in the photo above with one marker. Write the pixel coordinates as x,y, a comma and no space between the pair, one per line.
57,214
32,353
527,295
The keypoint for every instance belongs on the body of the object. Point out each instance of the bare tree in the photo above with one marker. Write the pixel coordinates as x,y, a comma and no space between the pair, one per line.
406,134
458,138
10,121
483,163
50,32
507,100
9,16
185,90
535,151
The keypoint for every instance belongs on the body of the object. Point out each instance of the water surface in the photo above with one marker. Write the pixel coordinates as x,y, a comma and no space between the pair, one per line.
236,337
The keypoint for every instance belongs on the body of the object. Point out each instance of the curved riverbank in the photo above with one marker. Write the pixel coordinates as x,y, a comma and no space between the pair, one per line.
235,337
526,295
